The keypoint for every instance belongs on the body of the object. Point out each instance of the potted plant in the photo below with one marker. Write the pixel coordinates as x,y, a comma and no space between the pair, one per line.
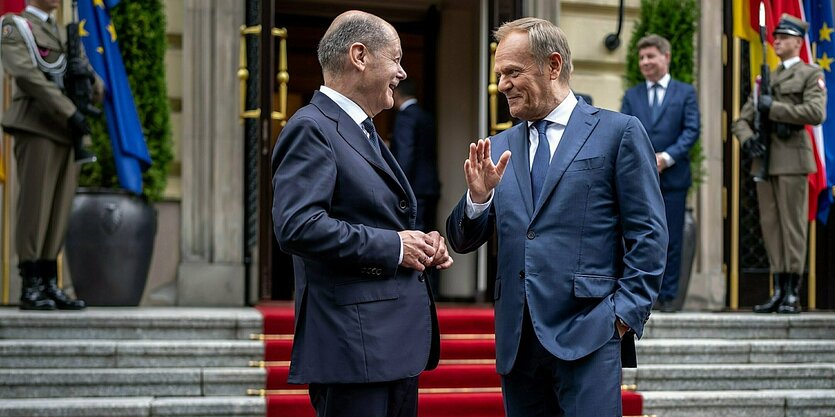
111,230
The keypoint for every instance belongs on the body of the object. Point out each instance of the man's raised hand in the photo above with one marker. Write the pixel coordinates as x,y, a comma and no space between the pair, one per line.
481,173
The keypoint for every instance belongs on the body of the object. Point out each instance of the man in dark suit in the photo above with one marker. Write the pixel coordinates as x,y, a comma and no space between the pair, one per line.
581,231
413,145
47,128
365,320
670,114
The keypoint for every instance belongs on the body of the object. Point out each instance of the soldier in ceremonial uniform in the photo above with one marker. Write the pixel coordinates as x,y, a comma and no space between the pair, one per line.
798,98
44,123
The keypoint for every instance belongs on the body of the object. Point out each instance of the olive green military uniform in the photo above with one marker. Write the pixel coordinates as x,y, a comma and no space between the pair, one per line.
799,99
37,118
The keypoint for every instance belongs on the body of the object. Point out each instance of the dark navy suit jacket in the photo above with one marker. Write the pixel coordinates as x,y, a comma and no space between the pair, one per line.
337,207
675,131
413,146
592,249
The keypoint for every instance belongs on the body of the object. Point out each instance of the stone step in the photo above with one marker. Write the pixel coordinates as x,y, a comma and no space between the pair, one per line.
129,382
703,377
135,407
30,353
691,351
740,326
765,403
166,323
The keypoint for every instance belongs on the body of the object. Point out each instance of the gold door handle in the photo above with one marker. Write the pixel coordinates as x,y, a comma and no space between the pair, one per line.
493,91
282,77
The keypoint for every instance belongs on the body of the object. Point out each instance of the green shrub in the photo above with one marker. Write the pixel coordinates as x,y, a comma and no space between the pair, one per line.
140,29
676,20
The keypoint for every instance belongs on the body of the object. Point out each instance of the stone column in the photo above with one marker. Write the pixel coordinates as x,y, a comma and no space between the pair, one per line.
707,284
211,272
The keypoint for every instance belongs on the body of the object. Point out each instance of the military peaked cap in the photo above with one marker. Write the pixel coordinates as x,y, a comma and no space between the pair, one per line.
791,25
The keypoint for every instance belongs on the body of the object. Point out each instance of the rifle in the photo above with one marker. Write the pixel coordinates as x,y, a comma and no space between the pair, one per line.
78,86
79,78
763,125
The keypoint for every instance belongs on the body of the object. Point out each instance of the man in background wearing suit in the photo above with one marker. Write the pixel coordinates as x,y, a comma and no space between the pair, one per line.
798,98
365,319
670,114
413,145
574,197
44,123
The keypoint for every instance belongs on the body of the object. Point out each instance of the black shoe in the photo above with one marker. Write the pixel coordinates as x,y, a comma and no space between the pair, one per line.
773,303
32,296
83,156
791,302
49,272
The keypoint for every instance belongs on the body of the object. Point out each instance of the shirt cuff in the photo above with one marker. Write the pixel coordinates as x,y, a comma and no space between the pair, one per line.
400,259
668,159
473,210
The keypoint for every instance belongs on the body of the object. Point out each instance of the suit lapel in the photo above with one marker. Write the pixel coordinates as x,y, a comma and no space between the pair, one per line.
352,133
580,125
643,98
668,96
782,75
44,34
520,151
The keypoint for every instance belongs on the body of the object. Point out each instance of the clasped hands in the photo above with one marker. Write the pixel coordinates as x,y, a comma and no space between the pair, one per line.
424,250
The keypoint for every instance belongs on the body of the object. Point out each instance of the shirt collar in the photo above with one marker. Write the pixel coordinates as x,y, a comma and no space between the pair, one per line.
37,12
353,109
791,61
663,82
407,103
561,113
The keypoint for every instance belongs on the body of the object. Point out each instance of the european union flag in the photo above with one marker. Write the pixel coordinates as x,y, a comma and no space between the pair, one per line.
99,38
821,34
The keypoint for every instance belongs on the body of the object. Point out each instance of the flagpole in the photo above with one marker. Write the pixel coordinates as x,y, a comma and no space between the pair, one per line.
813,281
7,150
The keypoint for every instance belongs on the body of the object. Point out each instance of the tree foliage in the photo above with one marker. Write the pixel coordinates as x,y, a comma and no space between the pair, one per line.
140,29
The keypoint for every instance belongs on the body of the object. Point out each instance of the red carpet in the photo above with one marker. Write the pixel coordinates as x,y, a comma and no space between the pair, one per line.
464,385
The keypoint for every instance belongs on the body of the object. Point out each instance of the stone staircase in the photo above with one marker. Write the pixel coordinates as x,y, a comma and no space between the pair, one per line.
737,364
161,362
149,362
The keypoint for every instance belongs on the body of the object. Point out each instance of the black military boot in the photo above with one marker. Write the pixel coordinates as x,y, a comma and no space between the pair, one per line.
773,303
32,296
49,274
791,302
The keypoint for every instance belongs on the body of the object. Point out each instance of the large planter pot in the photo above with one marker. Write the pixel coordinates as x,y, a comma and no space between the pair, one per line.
690,239
109,244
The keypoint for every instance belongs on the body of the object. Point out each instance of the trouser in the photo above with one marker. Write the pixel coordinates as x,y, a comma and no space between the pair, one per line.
48,178
784,206
383,399
542,385
674,204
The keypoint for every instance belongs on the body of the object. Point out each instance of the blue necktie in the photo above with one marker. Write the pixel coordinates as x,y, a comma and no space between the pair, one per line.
655,106
368,125
541,159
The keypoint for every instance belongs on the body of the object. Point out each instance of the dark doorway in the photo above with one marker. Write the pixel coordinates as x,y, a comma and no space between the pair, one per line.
306,22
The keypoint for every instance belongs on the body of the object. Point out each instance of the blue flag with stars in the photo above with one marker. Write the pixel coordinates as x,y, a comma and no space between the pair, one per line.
99,37
822,37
